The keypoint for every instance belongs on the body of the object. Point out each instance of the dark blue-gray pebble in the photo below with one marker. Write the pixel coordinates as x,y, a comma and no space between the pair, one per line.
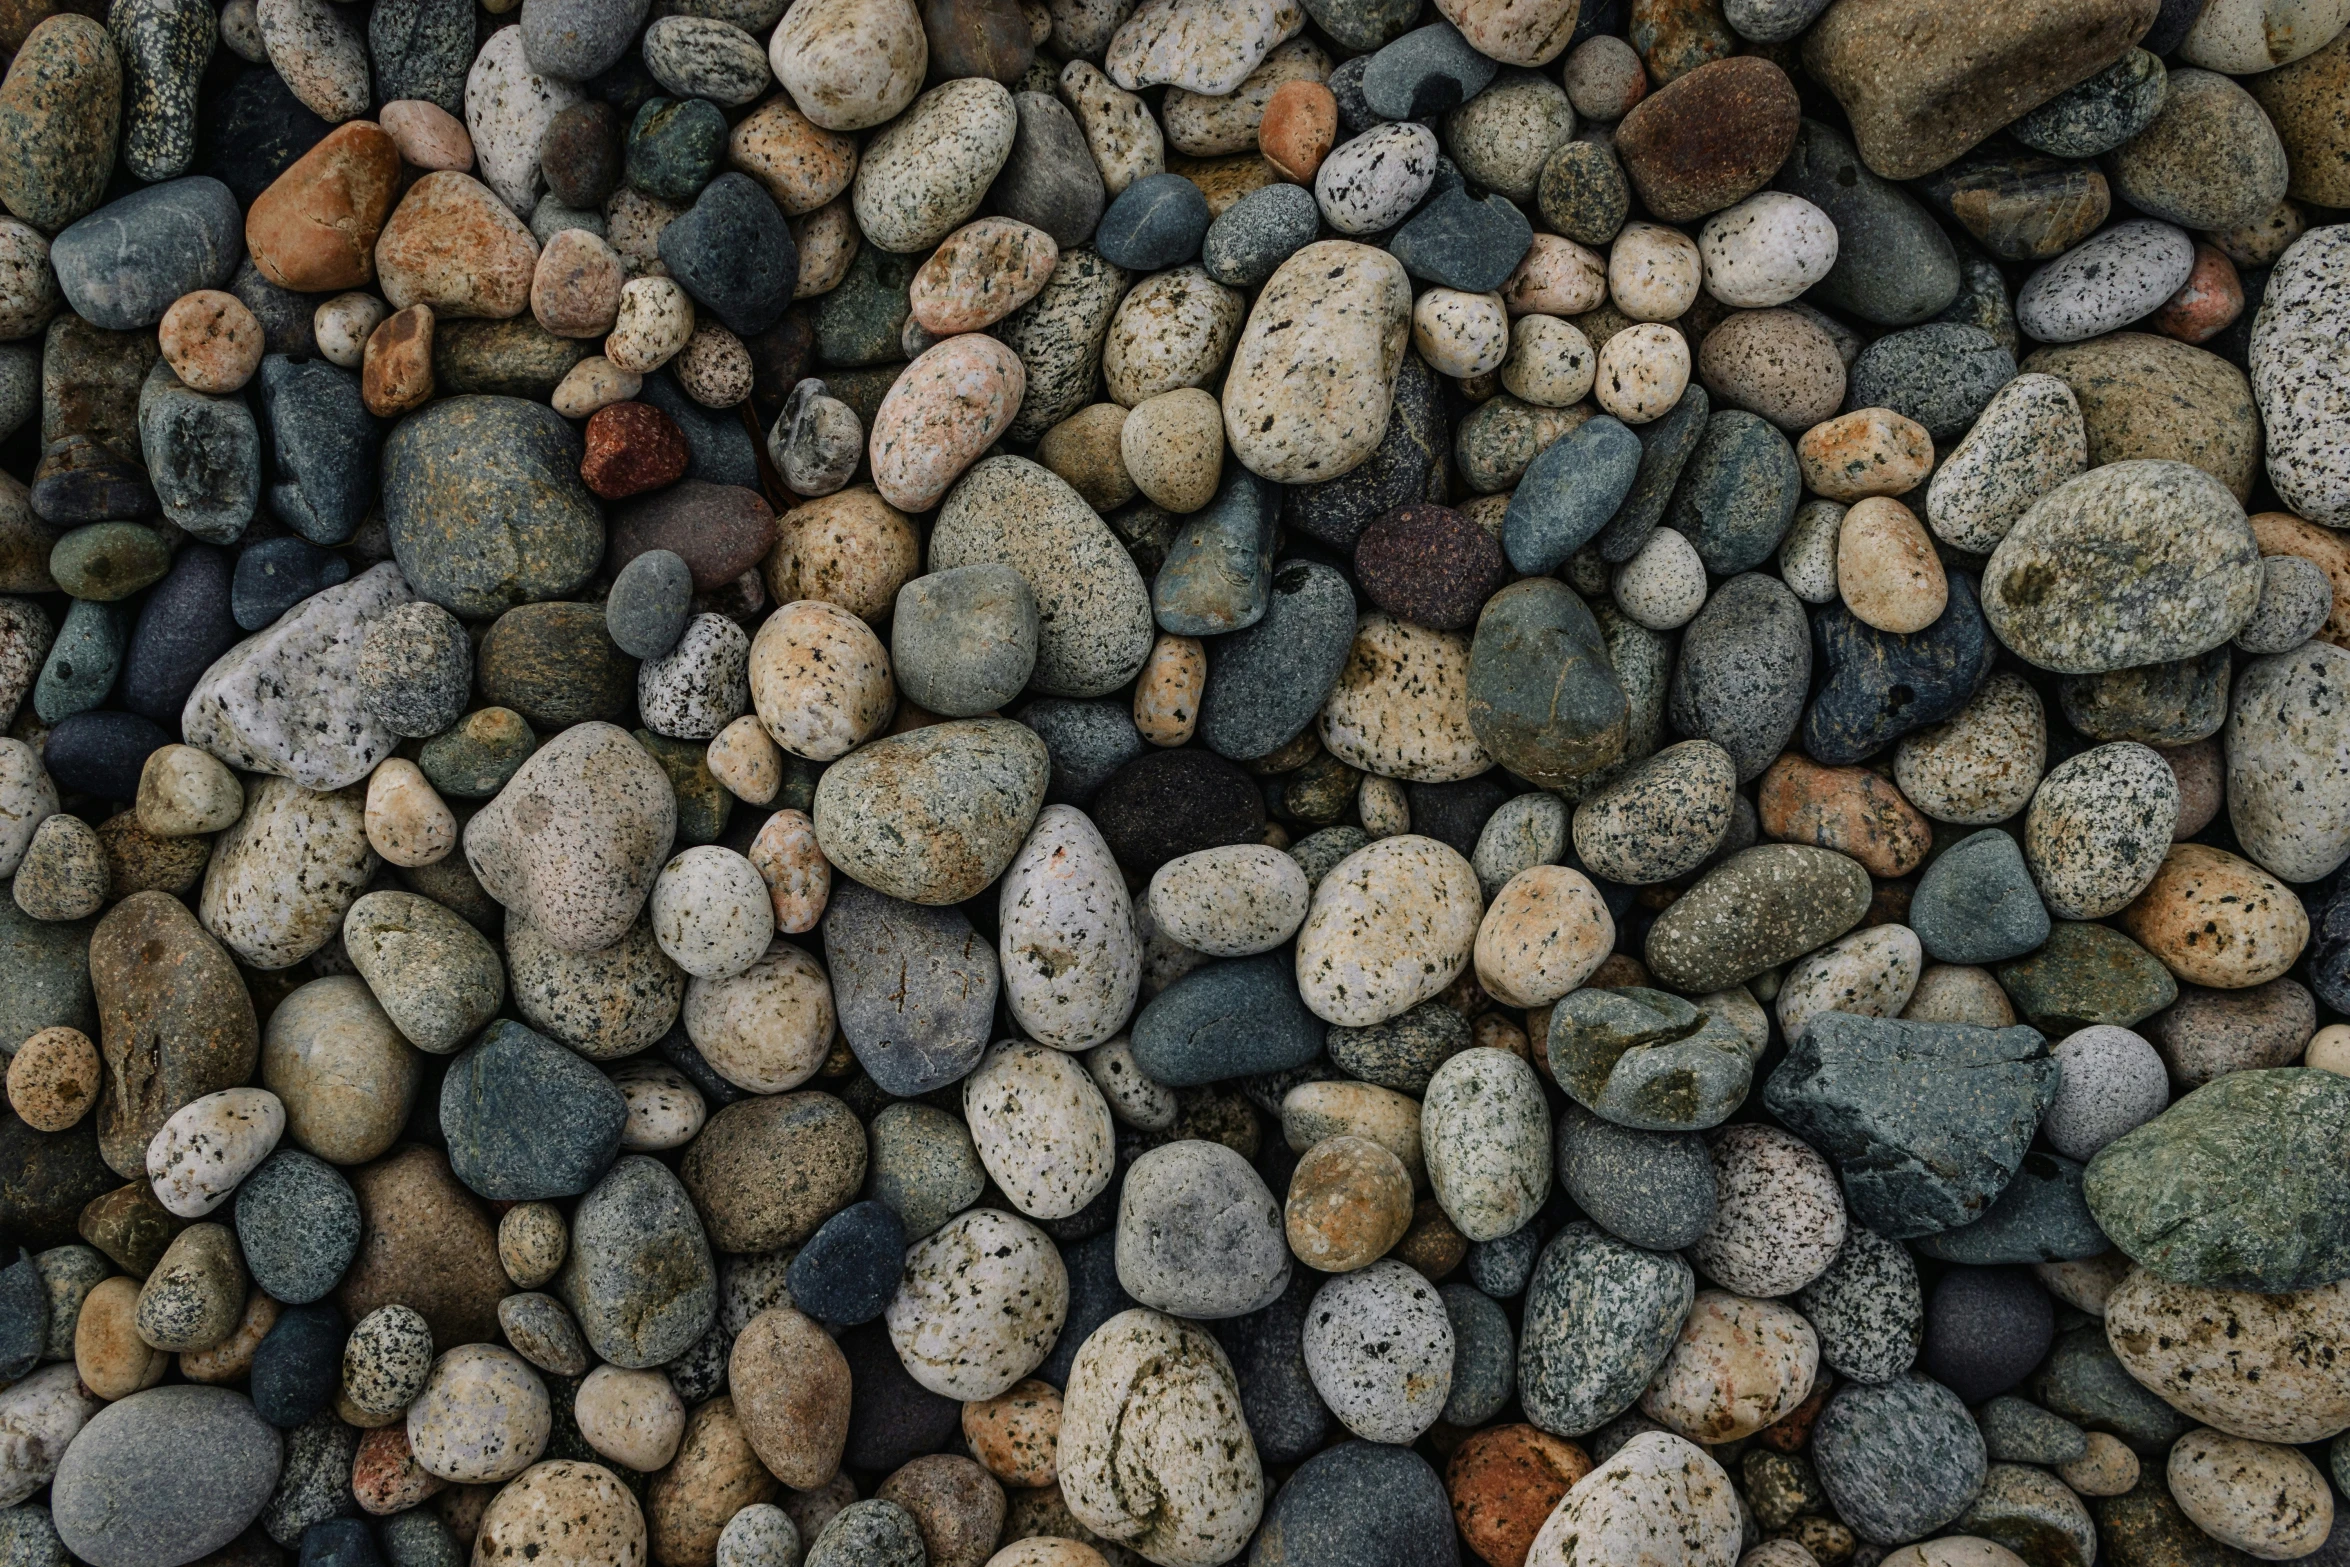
674,148
340,1542
718,449
24,1316
1501,1267
273,575
1879,685
1154,223
1986,1328
1286,1417
1458,241
1088,741
1219,568
731,252
1404,1052
914,988
1894,265
1235,1018
850,1267
297,1223
1258,232
1977,903
1484,1356
527,1119
421,49
249,130
651,600
1665,446
2041,1216
1266,684
122,266
2019,1432
322,447
1940,374
1050,181
2084,1381
203,456
1899,1459
1355,114
1425,72
1569,492
101,753
1654,1189
299,1364
417,1537
1737,493
894,1418
1363,1504
185,624
2101,113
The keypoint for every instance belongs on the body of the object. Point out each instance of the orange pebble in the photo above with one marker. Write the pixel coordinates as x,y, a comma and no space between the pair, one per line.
212,342
2205,305
1299,129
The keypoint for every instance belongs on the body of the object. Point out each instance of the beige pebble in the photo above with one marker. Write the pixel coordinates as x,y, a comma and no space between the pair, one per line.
532,1242
196,1294
798,877
1663,585
1551,363
1312,1112
820,680
483,1416
1642,372
2260,1497
631,1417
1870,451
1959,993
850,548
1653,272
1087,450
1119,128
2329,1049
1172,446
53,1079
743,759
407,821
827,240
428,136
1557,278
1389,927
714,367
595,382
1957,1550
980,274
768,1028
184,792
1167,692
1383,805
1401,705
576,290
210,340
1546,931
946,409
665,1110
1738,1366
1041,1128
110,1357
1886,568
654,320
2107,1468
564,1514
1172,329
1460,334
343,324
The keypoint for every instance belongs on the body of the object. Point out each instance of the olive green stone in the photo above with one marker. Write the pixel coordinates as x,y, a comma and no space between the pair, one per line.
2086,974
473,760
517,358
1757,909
556,665
703,803
106,561
45,1178
860,322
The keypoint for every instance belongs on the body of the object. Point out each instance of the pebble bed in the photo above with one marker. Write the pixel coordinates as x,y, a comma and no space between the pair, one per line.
1071,783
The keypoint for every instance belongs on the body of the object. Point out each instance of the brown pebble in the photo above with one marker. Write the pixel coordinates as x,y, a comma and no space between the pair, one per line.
397,372
956,1504
632,448
212,342
1349,1203
1849,809
1709,138
1504,1482
1299,128
1432,1245
1429,565
53,1079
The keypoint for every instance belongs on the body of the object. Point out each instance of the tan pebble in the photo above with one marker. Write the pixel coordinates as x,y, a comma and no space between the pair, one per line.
2262,1498
2108,1468
1087,450
1401,705
53,1079
798,877
1550,364
850,548
576,290
654,321
342,326
948,407
1604,79
429,137
1384,807
745,761
1557,278
396,371
2201,769
1349,1202
532,1242
2219,920
2329,1049
1642,372
714,368
1167,693
483,1416
1958,993
791,1392
455,246
109,1356
802,165
1871,451
1015,1435
980,274
231,1360
1173,448
184,792
564,1514
1359,960
633,222
1307,394
956,1505
827,241
1047,1551
1886,568
407,821
631,1417
1952,1550
1738,1366
595,382
820,680
1172,329
1312,1112
1547,930
211,341
1653,272
1119,128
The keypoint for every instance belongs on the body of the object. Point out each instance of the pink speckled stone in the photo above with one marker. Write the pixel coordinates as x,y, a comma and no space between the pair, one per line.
951,404
428,136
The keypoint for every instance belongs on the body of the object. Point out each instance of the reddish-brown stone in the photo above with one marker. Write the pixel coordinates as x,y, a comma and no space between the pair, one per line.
426,1243
1429,565
2207,304
1710,138
1848,809
1793,1429
1504,1482
396,374
719,530
1299,127
632,448
315,228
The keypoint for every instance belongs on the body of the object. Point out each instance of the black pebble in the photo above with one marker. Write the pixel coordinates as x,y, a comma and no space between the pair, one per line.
1172,803
299,1365
893,1418
1986,1328
185,624
273,575
101,754
850,1267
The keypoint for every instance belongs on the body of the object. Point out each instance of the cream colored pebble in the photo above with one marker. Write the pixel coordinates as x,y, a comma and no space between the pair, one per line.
407,821
656,319
746,761
1167,693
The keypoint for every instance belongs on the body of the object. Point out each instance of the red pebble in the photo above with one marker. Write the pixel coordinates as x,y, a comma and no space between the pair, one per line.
632,448
2206,304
